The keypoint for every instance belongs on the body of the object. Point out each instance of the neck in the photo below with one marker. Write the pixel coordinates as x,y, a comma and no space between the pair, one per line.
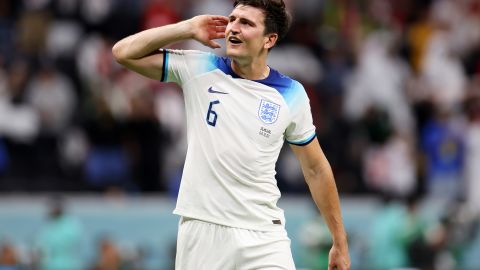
255,70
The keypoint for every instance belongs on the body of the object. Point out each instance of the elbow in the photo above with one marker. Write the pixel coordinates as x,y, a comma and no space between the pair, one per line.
318,174
311,175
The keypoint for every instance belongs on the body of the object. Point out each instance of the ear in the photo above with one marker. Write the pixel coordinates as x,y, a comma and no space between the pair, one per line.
270,40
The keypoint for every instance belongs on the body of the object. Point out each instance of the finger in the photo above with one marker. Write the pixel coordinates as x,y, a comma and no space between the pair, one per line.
213,45
219,18
219,23
216,34
219,35
216,29
221,29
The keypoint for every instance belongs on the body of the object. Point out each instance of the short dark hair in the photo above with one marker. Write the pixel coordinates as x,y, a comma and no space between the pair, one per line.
277,19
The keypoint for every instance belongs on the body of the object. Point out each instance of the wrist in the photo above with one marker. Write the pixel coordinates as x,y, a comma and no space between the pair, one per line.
340,241
186,29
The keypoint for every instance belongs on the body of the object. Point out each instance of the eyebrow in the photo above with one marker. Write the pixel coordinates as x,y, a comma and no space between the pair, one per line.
242,18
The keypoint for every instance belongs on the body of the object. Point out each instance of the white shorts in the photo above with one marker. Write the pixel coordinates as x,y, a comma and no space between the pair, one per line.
207,246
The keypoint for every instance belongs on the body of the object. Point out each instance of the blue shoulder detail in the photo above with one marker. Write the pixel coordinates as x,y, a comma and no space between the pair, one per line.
287,87
290,90
211,62
223,63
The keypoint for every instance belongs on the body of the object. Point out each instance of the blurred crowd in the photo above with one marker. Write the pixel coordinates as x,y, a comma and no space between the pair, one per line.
394,88
61,243
400,235
80,233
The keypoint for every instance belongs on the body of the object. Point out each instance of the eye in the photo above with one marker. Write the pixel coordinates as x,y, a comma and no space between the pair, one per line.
246,22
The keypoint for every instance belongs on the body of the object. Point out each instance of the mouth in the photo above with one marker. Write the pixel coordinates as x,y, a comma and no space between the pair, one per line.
234,40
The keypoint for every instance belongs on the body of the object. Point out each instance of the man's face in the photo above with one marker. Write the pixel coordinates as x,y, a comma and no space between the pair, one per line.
244,34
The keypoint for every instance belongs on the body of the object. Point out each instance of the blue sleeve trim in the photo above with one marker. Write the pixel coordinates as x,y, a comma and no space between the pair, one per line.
165,66
305,142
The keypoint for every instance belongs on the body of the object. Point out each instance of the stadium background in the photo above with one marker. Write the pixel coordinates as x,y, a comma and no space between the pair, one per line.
395,94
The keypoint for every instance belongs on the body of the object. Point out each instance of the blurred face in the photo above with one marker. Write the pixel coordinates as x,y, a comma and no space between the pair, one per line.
244,34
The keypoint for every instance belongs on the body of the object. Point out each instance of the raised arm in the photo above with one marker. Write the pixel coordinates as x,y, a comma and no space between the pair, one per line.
141,52
319,177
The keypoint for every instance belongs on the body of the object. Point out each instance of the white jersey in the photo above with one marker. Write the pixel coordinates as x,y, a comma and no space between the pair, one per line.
235,131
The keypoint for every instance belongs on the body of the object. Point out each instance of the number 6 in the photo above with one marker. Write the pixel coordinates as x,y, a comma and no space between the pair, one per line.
211,112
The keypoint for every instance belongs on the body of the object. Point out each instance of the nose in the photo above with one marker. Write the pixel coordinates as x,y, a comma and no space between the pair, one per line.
233,27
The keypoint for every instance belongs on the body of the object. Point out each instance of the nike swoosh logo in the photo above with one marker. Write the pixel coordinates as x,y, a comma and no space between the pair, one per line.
210,90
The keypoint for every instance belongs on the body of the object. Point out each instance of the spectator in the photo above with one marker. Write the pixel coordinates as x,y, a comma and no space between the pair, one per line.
158,13
378,81
107,164
60,240
388,246
8,257
387,161
52,95
18,126
443,147
109,257
147,142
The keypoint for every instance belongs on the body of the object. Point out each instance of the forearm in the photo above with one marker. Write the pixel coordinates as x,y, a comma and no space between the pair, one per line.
149,41
324,192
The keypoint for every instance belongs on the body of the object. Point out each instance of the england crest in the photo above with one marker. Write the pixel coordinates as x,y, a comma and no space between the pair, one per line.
268,111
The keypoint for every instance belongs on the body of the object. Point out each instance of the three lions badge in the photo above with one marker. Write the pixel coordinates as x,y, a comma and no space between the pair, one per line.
268,111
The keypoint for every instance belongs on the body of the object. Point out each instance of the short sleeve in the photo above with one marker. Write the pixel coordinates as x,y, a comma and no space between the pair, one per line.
180,66
301,130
